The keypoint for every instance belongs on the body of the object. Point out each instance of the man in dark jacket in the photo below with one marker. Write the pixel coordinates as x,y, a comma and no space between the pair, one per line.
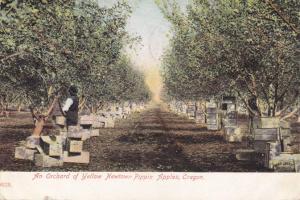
71,107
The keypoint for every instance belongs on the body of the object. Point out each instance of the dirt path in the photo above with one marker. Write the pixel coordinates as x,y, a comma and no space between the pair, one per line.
154,140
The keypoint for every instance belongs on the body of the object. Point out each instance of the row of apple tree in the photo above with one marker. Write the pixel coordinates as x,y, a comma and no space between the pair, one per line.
246,48
46,46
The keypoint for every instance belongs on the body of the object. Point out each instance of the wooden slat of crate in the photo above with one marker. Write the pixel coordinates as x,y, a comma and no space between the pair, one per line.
212,127
63,134
87,120
245,154
110,123
32,141
260,146
285,132
95,132
272,150
231,115
266,134
295,138
212,110
297,166
230,122
52,147
285,162
47,161
230,130
84,157
74,128
79,134
269,122
24,153
60,120
98,124
295,148
287,144
284,166
74,146
285,124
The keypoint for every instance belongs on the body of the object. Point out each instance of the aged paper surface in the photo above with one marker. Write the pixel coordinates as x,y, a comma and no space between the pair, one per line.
209,186
149,99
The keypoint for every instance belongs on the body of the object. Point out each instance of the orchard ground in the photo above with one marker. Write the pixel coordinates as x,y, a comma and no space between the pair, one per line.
154,140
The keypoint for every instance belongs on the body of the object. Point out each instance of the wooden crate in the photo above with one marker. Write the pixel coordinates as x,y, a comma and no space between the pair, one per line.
233,134
74,146
285,166
287,143
285,125
60,120
78,134
245,154
95,132
213,121
285,162
86,135
297,162
284,132
266,134
260,146
269,122
212,127
229,122
84,158
24,153
87,120
52,145
295,148
200,117
273,149
297,166
47,161
32,141
98,124
109,123
63,133
295,138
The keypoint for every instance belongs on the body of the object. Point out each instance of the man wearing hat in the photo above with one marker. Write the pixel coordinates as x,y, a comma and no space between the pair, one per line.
71,107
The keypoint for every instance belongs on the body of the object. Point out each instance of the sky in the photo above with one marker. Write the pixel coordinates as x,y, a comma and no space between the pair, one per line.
148,22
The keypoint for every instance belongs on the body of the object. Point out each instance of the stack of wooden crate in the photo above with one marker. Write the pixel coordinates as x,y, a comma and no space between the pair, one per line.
67,147
50,152
232,132
50,148
191,110
275,140
213,117
267,138
74,152
27,148
286,162
200,117
295,138
54,150
45,151
85,124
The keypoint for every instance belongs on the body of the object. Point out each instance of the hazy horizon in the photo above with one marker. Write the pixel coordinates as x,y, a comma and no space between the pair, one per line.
148,22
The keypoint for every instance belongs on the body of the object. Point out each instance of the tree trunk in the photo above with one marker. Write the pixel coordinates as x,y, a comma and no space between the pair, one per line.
6,111
19,107
40,120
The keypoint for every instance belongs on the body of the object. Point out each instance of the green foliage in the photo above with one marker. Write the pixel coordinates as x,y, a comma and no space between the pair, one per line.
238,47
46,46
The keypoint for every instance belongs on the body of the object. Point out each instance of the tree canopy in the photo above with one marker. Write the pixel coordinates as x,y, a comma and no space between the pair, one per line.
46,46
243,48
